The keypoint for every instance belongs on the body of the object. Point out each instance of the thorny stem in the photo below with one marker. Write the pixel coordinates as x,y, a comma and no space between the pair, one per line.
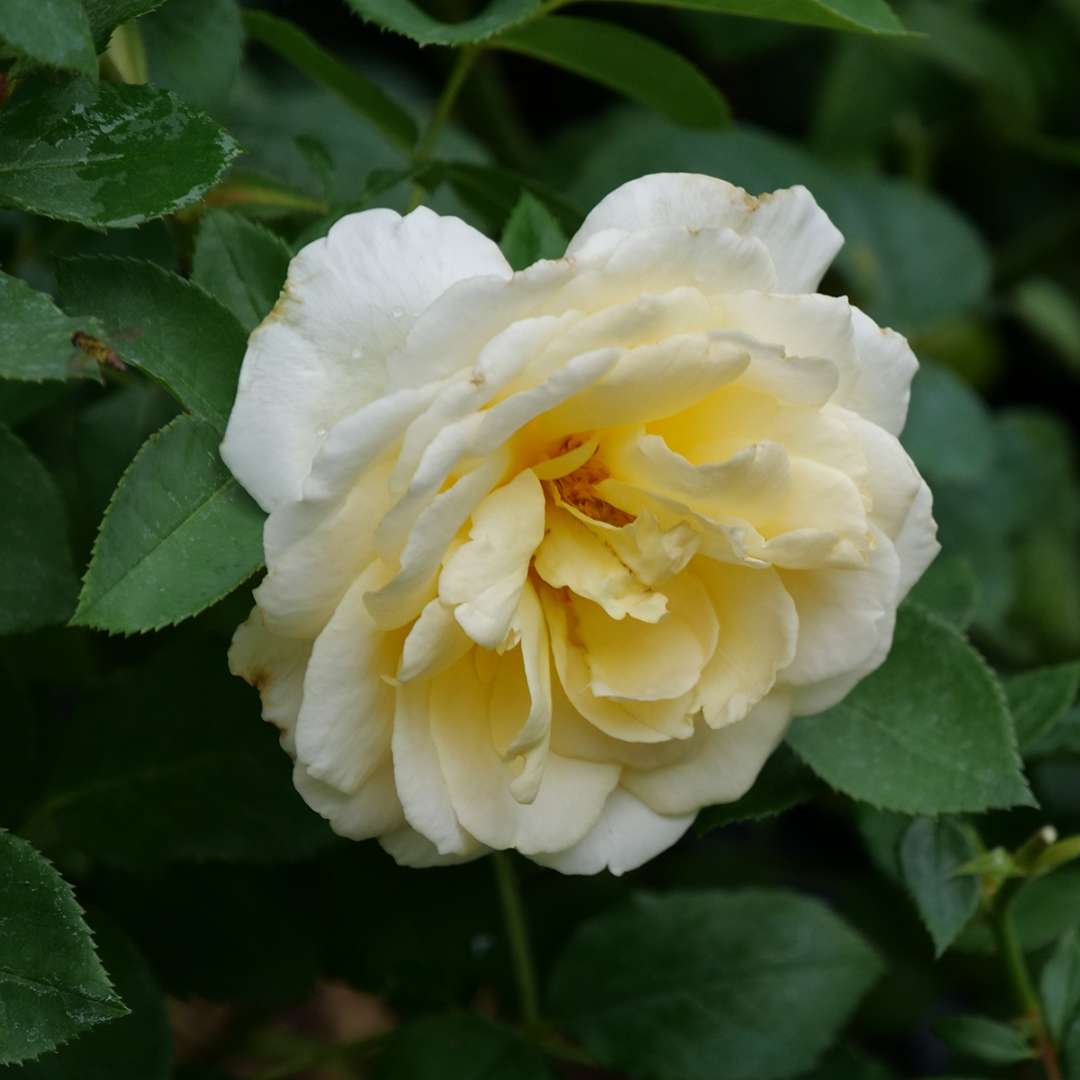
517,934
1023,989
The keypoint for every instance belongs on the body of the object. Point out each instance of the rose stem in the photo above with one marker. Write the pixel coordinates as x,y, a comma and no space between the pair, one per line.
517,933
1027,1000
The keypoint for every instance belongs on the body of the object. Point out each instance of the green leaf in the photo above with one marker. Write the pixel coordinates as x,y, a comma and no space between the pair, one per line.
136,1045
845,1063
784,782
171,763
106,154
910,258
194,48
881,833
930,853
37,577
624,61
464,1046
165,326
51,32
1059,984
697,986
52,985
531,233
357,91
949,433
36,336
950,590
1043,910
984,1039
405,17
179,534
1039,699
107,15
929,732
494,193
868,16
240,263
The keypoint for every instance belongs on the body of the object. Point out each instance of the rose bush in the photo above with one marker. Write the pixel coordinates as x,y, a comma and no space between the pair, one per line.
554,556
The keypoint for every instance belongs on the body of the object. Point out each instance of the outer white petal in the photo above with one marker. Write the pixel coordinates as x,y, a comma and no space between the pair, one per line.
348,303
627,834
887,365
343,731
799,236
843,614
917,543
275,666
371,810
891,479
410,848
722,766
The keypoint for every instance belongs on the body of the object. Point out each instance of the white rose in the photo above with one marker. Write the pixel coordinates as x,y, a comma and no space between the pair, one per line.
554,556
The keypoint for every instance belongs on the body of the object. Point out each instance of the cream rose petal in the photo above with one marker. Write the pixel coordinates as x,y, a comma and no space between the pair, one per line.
553,556
798,235
720,767
627,834
348,303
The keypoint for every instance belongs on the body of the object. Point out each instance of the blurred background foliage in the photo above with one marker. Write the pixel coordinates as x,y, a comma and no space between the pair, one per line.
243,936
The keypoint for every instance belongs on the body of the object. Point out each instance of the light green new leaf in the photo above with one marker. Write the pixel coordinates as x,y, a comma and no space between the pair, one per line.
984,1039
930,852
194,48
929,732
179,534
37,578
627,62
868,16
531,233
1043,910
1059,984
52,985
464,1046
784,782
136,1045
107,15
697,986
949,589
51,32
240,263
357,91
164,325
1040,698
106,154
36,336
406,17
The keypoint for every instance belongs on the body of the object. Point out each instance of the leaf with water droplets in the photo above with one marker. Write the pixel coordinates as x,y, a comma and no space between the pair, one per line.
52,985
106,154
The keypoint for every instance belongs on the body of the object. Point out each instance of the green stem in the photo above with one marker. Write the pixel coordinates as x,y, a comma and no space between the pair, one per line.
458,74
1023,989
517,933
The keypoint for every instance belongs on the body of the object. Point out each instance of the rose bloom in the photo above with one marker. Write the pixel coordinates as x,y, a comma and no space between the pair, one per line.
553,557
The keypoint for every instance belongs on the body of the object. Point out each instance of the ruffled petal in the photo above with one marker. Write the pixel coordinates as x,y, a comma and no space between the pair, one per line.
721,766
801,240
343,731
348,303
372,810
627,834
